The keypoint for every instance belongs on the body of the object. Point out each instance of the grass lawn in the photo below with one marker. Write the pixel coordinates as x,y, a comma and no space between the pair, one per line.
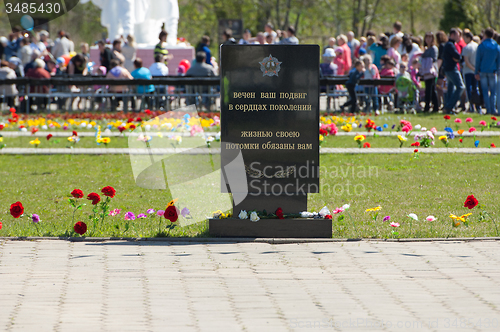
432,185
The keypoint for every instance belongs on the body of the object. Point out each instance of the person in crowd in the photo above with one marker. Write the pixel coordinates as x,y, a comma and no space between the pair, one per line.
203,47
200,68
78,65
161,47
36,44
35,55
7,90
3,44
17,66
354,76
371,73
353,44
379,49
396,28
487,65
44,39
26,51
269,31
117,51
328,69
129,52
388,70
428,72
38,71
260,38
362,45
331,43
117,72
392,52
451,58
13,45
158,68
339,61
469,68
441,40
141,72
51,66
85,50
290,37
247,38
71,43
62,45
105,54
227,37
410,47
460,44
346,54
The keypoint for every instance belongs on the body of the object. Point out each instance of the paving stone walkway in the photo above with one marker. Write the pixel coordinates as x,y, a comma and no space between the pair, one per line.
219,286
157,151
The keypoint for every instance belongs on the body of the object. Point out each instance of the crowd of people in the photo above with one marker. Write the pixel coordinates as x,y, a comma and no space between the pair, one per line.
454,71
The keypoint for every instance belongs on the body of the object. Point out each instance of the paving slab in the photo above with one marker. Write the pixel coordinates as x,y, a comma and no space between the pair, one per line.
49,285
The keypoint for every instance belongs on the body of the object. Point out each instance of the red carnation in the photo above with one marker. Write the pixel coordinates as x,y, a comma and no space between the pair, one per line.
109,191
1,126
493,145
33,130
130,120
471,202
75,133
49,136
132,127
17,209
279,213
0,225
95,198
460,140
367,145
121,129
328,216
80,228
415,151
493,118
415,144
171,213
77,193
138,119
447,117
12,110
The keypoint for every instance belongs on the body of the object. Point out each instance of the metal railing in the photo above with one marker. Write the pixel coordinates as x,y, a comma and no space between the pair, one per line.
96,92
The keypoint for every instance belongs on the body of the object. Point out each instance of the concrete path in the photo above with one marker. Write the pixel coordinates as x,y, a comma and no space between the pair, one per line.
156,151
189,286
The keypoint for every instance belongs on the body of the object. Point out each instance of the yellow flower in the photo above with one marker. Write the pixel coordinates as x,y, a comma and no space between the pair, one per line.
402,138
443,138
35,142
321,138
347,127
106,140
172,202
462,218
219,214
359,138
1,139
374,209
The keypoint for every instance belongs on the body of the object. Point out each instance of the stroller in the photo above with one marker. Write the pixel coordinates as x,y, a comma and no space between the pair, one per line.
407,93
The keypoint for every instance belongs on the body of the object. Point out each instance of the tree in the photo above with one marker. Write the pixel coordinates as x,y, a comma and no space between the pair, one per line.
455,15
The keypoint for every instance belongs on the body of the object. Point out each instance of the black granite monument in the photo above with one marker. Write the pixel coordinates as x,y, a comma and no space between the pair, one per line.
269,138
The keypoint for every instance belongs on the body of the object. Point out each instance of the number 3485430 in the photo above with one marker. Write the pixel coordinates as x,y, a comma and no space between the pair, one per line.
32,8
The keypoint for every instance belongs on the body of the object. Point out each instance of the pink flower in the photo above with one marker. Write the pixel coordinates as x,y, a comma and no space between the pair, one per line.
434,130
407,128
431,218
160,213
142,215
394,224
129,216
114,212
338,210
386,218
469,120
458,120
482,123
472,129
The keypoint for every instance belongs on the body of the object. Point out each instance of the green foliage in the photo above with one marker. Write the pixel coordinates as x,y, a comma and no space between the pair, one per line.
455,15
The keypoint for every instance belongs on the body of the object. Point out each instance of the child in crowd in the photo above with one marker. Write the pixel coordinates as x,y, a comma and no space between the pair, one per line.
339,61
354,76
387,71
415,77
371,73
328,69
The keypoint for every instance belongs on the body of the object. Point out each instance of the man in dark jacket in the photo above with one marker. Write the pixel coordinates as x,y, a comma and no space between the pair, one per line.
455,84
487,65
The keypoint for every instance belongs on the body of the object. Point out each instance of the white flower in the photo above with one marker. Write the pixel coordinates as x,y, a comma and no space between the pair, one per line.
243,214
413,216
431,218
147,127
417,127
89,126
346,206
324,211
423,129
377,112
217,136
254,217
354,125
24,129
83,125
306,214
210,139
44,127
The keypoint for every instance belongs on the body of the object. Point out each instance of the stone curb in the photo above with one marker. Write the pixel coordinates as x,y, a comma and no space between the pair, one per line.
243,239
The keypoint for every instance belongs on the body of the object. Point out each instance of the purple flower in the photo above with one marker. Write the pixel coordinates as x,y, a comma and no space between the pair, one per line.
142,215
150,211
129,216
185,212
386,218
160,213
35,218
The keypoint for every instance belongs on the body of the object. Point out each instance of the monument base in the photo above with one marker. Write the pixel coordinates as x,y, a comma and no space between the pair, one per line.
271,228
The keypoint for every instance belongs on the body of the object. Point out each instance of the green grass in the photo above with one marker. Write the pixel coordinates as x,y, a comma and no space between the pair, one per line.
432,185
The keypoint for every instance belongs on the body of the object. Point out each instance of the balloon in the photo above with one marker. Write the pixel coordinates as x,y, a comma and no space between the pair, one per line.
66,58
185,63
